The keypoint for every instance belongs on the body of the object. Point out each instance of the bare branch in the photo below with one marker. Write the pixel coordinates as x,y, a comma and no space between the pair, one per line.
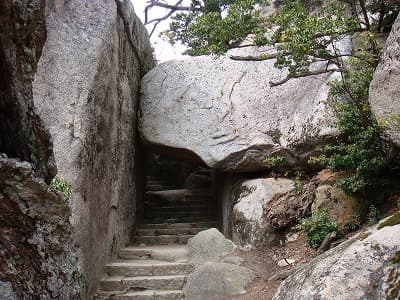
261,57
171,7
304,74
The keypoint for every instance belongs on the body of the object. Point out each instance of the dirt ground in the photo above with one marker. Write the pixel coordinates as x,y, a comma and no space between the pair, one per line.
264,262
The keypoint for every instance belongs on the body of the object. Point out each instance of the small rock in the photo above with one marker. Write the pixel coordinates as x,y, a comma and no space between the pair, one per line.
209,245
292,236
286,262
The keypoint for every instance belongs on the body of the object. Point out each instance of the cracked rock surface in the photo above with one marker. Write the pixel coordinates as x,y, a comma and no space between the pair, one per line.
226,113
364,267
86,90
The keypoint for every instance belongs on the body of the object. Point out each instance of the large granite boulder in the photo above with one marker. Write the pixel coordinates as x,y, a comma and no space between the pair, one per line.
226,112
365,267
86,90
250,227
385,86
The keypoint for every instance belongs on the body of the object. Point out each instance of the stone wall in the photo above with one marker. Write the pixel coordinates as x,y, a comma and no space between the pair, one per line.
86,89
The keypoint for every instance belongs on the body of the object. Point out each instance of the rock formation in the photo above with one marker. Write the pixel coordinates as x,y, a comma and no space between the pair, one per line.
22,132
85,90
250,227
385,86
70,72
365,267
226,113
37,256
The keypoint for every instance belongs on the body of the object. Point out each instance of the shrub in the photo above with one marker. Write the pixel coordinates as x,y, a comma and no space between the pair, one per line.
373,215
317,227
62,186
275,161
359,153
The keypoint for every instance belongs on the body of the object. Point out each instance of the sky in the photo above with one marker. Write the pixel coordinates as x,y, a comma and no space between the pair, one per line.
164,50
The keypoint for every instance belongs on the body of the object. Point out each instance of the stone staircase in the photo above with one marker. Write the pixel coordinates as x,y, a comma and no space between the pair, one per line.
155,266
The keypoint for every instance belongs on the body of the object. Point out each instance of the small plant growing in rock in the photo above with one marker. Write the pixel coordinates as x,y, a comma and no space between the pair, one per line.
275,161
373,215
317,227
62,186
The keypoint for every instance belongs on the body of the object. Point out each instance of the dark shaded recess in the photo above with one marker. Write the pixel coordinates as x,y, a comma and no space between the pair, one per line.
173,165
179,154
22,133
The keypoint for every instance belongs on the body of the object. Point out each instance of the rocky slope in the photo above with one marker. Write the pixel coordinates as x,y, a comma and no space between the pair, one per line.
365,267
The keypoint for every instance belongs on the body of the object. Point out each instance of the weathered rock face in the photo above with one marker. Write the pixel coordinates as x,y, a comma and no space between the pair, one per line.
226,113
22,133
85,89
342,208
385,86
37,257
361,268
216,279
250,227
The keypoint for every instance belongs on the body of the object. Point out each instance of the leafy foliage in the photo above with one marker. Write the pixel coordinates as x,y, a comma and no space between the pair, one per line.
373,215
317,227
359,151
62,186
302,38
214,26
275,161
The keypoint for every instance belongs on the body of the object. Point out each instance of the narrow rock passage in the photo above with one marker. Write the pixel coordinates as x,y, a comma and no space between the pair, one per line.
156,266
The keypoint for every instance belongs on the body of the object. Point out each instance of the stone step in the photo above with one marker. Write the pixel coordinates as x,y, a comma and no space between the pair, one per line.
177,225
180,220
158,187
168,214
170,231
194,197
191,203
162,239
177,208
151,295
171,253
118,283
149,267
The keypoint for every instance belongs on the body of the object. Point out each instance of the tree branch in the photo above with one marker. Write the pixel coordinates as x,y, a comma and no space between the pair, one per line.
300,75
172,9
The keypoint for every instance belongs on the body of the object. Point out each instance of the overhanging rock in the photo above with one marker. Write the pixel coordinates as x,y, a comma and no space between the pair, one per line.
226,112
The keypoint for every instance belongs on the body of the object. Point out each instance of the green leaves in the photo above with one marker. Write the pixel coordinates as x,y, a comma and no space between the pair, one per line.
62,186
317,227
302,38
216,26
359,152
